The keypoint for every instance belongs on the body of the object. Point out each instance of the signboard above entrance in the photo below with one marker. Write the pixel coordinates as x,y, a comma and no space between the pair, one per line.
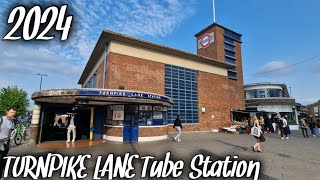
206,40
129,94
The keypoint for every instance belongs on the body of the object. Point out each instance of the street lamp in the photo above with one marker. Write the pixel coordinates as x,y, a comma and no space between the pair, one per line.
290,91
41,79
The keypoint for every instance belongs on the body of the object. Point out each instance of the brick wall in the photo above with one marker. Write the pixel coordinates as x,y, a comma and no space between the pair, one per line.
114,131
135,74
143,131
100,76
214,95
153,131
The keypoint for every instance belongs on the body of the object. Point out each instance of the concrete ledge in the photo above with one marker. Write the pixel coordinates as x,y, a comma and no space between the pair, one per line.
154,138
140,139
113,138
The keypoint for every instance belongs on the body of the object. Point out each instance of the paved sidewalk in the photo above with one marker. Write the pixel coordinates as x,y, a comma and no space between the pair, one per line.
296,158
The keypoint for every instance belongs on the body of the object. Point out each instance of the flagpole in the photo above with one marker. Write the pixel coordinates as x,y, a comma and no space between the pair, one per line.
214,11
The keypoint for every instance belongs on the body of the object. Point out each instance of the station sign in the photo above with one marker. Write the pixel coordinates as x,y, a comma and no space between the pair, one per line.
206,40
129,94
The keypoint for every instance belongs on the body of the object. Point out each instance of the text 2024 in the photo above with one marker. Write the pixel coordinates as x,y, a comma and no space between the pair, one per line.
57,17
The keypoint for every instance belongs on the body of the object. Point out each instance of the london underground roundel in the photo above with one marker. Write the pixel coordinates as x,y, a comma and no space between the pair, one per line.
206,40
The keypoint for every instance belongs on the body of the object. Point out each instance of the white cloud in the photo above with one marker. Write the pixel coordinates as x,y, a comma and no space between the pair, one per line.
30,60
132,17
275,68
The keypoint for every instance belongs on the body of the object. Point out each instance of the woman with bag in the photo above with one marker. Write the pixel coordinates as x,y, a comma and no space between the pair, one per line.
257,134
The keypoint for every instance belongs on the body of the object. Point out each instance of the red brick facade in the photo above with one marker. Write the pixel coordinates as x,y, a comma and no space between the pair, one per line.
143,131
153,131
134,74
230,92
100,75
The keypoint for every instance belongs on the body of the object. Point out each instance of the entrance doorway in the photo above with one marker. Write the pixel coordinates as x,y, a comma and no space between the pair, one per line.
131,123
54,122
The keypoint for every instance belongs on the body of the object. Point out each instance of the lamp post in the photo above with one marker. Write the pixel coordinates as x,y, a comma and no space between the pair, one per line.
41,79
290,91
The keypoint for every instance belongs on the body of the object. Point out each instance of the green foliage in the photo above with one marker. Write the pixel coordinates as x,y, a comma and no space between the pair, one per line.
314,104
12,96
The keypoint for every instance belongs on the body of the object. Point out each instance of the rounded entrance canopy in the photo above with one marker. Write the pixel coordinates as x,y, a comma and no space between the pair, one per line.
93,96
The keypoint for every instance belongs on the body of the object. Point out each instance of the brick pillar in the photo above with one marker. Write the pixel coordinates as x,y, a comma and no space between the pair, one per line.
35,124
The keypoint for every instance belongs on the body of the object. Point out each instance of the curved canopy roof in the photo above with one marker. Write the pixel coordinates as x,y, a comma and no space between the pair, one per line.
93,96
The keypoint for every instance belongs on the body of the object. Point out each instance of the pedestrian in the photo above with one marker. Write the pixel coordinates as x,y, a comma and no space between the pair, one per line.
303,126
274,125
267,122
318,128
312,126
178,126
282,126
71,128
6,126
287,128
260,138
261,121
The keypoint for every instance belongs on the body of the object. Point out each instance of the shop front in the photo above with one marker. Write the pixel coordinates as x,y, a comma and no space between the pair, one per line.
115,115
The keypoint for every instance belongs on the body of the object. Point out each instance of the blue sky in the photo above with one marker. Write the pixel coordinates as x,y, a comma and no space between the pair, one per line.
275,33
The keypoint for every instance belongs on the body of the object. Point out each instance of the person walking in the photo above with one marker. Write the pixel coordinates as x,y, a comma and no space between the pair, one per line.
312,126
261,122
274,125
71,128
6,126
282,125
257,146
178,126
304,128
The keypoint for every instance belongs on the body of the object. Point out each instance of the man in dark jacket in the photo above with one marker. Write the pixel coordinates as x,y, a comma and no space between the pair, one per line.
303,125
6,125
178,126
312,126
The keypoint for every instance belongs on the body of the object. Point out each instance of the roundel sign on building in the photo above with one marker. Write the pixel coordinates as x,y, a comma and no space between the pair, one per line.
206,40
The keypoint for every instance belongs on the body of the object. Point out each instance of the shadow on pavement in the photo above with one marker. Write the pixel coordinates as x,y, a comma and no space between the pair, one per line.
229,144
219,157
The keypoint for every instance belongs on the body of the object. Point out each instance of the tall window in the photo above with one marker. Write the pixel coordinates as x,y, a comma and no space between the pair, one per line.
232,35
229,51
95,80
263,93
181,84
89,84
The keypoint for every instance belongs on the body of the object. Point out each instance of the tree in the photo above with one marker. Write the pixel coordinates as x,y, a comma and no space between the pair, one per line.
314,104
12,96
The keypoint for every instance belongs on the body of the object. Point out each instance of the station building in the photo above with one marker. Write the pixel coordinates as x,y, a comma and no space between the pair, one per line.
132,90
273,99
